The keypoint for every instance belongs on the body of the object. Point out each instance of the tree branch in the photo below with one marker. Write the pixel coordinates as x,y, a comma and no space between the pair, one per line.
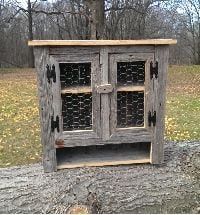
123,8
60,13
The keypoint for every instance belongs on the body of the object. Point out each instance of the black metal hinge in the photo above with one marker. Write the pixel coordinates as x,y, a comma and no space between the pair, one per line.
152,118
154,69
55,124
51,73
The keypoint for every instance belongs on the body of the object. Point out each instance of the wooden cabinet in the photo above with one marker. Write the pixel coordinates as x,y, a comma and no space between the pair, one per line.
101,102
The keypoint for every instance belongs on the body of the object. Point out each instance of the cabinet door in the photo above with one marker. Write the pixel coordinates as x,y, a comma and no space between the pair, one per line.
75,100
131,99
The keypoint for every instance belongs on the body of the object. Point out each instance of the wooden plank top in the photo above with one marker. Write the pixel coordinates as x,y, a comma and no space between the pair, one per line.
101,42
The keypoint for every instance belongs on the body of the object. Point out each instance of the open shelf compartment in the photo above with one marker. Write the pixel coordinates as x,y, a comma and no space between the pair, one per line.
103,155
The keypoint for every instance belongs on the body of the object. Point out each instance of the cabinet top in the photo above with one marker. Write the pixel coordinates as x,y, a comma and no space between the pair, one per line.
101,42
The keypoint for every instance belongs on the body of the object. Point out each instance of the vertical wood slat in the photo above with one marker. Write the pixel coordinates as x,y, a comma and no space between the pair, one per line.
147,92
159,94
105,102
96,80
56,92
113,99
45,109
154,145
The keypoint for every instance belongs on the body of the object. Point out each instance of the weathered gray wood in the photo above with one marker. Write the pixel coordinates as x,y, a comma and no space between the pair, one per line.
113,95
128,57
101,42
105,88
132,135
96,103
159,93
64,50
114,58
148,92
151,109
90,138
131,88
103,156
170,188
68,137
131,49
45,108
75,90
104,101
56,92
79,137
105,98
75,58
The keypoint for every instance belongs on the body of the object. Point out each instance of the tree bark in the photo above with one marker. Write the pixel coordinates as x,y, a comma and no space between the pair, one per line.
169,188
30,36
198,41
97,18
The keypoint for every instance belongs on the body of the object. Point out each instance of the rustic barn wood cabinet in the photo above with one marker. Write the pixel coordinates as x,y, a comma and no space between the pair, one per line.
101,102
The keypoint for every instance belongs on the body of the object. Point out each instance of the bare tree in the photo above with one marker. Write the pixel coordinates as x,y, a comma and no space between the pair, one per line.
30,33
102,19
97,18
192,10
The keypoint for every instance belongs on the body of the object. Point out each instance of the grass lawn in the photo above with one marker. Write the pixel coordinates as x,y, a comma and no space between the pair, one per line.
183,103
19,120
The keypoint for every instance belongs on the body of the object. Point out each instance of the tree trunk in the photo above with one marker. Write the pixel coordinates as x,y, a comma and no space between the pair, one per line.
198,54
169,188
97,18
30,36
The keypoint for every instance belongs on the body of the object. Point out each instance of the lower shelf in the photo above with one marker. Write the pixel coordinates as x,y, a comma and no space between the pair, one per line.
107,155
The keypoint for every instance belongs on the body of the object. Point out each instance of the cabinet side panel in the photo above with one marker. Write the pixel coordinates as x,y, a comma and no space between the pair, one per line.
159,94
55,89
45,109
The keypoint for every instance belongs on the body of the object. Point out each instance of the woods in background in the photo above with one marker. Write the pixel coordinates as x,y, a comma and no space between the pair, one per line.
102,19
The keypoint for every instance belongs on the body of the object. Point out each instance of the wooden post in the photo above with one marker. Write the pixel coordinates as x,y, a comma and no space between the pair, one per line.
159,92
45,109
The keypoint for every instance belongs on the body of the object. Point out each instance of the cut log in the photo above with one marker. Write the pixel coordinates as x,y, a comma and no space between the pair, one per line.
169,188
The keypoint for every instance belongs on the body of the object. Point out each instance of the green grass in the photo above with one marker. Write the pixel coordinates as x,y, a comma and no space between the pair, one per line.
183,103
14,70
19,120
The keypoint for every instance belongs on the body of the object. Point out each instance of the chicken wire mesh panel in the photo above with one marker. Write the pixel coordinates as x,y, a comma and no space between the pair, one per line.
76,108
130,109
129,73
77,111
75,74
